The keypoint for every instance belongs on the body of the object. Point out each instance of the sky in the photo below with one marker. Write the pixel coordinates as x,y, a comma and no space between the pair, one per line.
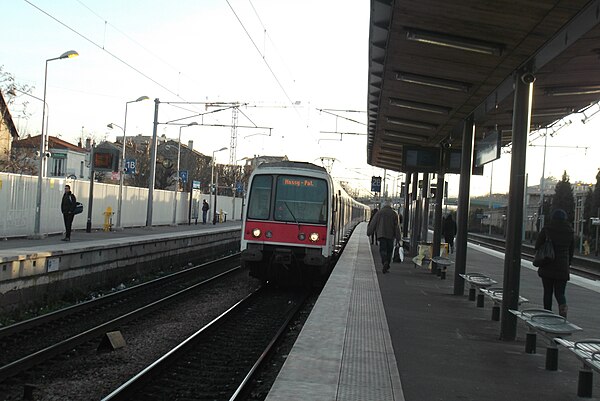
299,67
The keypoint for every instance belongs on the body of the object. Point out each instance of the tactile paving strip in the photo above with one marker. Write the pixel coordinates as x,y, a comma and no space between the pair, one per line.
344,352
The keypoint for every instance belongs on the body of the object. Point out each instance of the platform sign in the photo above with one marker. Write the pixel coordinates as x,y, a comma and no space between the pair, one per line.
375,184
130,166
195,184
183,175
595,221
239,187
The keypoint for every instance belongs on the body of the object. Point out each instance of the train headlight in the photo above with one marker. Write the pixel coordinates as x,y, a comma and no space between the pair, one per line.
313,237
256,232
301,236
269,234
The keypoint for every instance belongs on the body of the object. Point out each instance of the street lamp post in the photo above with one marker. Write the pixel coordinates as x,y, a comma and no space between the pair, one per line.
177,178
122,162
41,166
212,174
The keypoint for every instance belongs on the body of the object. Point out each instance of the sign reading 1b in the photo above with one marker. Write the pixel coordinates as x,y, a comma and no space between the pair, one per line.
130,166
375,184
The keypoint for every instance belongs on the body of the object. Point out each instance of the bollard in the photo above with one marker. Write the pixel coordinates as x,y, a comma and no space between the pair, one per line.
108,219
552,358
530,340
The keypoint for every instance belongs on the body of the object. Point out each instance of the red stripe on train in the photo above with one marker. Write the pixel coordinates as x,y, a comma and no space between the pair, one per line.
285,232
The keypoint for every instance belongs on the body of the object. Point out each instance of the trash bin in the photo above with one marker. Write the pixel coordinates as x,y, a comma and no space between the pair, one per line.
444,249
425,250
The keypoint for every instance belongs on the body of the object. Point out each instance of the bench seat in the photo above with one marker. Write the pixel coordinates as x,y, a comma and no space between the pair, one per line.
550,326
477,281
495,294
588,351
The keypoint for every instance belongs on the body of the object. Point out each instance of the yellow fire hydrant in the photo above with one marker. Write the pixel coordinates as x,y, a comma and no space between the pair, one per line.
586,248
108,219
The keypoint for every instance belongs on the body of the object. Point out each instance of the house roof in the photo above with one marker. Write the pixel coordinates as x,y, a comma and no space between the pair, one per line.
434,63
53,143
7,118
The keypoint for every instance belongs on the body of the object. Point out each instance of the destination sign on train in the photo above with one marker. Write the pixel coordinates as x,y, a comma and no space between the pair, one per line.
298,182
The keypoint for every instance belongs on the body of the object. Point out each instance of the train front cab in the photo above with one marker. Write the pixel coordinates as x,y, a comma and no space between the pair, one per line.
285,234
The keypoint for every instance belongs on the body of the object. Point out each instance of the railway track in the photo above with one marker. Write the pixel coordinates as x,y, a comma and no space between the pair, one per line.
218,361
586,267
32,342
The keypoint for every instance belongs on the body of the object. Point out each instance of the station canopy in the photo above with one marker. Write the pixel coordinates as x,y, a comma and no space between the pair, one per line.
433,63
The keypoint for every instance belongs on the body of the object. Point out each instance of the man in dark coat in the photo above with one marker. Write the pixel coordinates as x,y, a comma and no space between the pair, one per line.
205,208
555,274
372,236
67,207
386,228
449,231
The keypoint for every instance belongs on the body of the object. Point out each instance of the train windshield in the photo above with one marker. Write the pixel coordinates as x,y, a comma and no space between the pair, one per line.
260,197
301,199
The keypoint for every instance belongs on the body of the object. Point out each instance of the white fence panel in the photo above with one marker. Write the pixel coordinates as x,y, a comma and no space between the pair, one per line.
18,198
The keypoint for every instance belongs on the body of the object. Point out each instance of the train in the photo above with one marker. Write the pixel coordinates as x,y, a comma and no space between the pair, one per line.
296,219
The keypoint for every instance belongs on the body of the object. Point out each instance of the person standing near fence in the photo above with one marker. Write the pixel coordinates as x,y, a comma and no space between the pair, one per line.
386,228
555,274
205,208
67,207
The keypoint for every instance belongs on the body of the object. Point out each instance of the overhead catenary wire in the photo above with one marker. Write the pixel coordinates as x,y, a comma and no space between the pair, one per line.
137,70
134,41
259,52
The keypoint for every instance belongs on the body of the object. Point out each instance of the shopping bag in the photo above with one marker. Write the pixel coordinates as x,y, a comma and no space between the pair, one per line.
396,256
545,253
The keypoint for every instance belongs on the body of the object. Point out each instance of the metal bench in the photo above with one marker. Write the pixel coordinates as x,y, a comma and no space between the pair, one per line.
588,351
477,281
495,294
550,326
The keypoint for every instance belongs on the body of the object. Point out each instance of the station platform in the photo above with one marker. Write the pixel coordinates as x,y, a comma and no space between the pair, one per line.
33,271
80,238
404,336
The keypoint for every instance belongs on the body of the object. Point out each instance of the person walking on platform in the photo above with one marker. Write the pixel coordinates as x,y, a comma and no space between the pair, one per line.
67,207
372,236
555,274
386,229
449,231
205,208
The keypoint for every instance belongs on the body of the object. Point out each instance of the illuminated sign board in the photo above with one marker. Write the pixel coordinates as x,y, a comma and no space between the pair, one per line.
452,160
488,149
421,159
295,182
106,160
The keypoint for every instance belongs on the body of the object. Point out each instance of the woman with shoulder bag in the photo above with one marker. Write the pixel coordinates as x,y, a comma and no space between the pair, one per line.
555,274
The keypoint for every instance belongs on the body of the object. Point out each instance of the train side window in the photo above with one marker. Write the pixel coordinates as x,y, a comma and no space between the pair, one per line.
259,202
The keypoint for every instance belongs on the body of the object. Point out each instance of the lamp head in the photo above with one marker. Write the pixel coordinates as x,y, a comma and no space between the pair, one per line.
69,54
139,99
110,126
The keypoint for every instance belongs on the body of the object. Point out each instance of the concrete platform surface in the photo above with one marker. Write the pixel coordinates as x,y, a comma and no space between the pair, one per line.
426,344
